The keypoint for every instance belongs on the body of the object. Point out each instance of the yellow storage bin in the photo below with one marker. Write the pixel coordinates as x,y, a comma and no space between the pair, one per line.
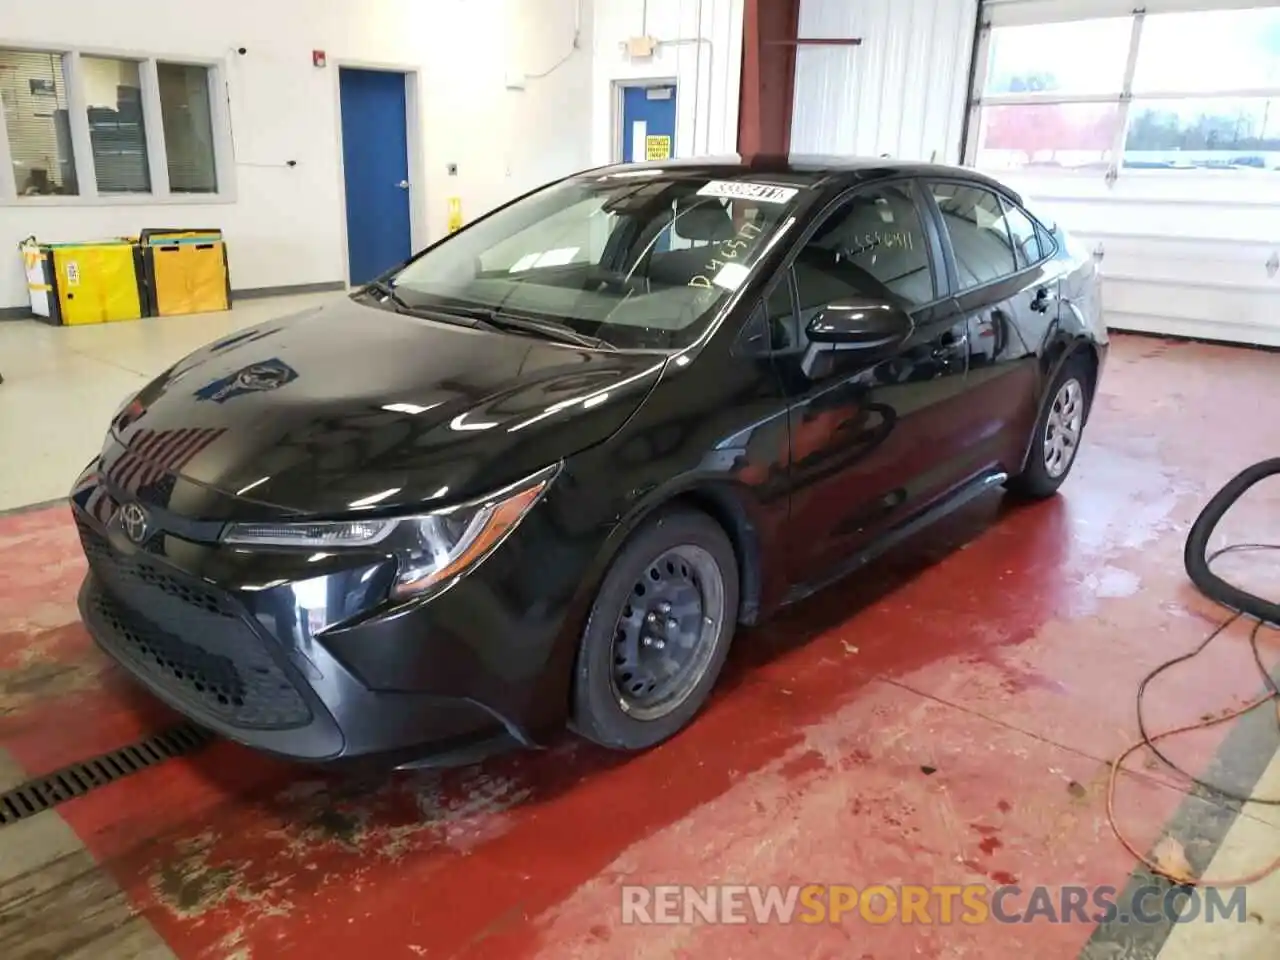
36,265
187,273
94,282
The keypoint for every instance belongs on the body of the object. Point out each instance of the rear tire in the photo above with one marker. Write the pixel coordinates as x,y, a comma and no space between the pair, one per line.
1058,434
658,632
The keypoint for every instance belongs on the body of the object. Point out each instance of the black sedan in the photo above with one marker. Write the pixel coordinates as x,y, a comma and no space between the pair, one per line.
542,472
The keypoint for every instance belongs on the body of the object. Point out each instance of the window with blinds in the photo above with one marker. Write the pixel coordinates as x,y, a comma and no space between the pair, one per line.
143,126
188,127
33,98
113,94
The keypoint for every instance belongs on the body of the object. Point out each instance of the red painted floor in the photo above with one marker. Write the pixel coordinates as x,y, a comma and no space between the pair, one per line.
946,719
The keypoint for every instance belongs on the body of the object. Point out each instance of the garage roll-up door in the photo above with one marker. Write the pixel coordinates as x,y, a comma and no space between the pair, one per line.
1152,131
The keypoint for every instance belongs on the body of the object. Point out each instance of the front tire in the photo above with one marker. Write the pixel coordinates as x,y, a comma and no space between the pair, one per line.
1059,431
658,632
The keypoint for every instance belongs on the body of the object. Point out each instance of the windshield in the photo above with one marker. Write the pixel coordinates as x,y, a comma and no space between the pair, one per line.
638,258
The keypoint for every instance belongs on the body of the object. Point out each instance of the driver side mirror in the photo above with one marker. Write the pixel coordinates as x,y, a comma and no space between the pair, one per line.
859,323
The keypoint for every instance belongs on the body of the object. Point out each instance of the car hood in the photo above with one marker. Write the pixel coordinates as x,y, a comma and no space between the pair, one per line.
350,407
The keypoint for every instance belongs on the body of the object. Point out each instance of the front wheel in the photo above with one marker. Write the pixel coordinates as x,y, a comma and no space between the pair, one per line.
658,632
1059,431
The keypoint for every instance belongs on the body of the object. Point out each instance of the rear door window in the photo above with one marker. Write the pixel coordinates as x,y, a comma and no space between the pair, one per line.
980,238
1047,245
1022,230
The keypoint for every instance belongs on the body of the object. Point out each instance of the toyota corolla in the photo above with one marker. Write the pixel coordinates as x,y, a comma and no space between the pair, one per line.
542,473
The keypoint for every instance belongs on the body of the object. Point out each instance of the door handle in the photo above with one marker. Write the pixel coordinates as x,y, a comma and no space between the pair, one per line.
949,344
999,329
403,184
1040,303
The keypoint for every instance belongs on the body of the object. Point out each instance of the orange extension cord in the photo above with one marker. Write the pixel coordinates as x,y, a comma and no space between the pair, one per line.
1176,874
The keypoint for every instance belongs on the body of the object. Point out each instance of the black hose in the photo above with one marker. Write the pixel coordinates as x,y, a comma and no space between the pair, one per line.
1195,556
1244,604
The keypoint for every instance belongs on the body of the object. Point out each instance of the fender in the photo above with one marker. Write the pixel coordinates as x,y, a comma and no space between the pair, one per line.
1061,350
727,501
723,499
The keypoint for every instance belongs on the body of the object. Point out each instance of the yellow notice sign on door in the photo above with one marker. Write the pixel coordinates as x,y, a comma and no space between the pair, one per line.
657,148
455,214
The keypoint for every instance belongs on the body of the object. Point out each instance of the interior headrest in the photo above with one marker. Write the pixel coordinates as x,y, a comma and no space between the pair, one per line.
702,219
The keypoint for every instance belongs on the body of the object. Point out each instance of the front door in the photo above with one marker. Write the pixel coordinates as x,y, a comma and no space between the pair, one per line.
871,433
375,162
648,123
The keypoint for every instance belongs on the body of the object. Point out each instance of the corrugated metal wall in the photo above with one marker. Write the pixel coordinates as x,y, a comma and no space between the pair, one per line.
699,46
902,92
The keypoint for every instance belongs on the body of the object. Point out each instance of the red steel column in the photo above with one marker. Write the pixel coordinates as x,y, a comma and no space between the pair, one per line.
768,76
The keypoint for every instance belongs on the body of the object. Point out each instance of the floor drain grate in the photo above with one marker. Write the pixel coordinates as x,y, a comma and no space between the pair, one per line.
45,793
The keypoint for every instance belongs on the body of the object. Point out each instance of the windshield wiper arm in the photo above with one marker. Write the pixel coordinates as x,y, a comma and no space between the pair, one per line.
388,292
550,329
491,317
389,295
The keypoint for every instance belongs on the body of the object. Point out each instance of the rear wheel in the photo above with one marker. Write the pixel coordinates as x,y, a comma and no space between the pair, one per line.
658,632
1059,431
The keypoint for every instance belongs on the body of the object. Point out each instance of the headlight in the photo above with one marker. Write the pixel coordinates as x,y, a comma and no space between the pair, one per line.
125,404
431,550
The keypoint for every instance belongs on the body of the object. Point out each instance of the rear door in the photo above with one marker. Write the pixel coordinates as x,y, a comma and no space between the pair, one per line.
1007,290
871,438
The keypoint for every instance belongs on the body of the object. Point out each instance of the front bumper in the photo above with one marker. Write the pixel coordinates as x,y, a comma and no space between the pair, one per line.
298,655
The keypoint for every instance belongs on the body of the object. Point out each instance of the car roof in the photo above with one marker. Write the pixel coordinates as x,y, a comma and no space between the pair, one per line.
808,170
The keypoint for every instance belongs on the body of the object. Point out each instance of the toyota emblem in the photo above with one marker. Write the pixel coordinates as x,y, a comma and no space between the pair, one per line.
133,521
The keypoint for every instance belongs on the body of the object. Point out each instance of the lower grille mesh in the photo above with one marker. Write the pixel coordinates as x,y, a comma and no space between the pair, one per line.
188,640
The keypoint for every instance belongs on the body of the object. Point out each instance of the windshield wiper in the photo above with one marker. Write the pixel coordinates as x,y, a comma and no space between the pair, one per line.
388,292
549,329
490,317
389,295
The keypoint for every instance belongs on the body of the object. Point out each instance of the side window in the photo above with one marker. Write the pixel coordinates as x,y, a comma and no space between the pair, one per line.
873,245
1047,244
979,235
780,311
772,326
1026,248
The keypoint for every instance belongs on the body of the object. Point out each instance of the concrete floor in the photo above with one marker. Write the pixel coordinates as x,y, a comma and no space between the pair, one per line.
62,385
946,718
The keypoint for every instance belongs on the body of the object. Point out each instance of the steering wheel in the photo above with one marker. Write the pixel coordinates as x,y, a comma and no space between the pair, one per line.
603,279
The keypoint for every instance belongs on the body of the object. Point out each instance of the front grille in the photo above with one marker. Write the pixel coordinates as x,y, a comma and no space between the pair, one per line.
187,639
126,573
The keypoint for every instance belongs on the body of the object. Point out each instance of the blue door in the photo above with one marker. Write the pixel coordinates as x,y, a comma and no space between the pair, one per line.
375,159
648,123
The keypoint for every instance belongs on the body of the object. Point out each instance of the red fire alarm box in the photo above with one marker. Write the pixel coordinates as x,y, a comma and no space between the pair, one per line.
318,58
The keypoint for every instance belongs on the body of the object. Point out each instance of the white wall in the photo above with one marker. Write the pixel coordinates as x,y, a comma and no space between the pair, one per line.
548,127
699,46
284,224
902,92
